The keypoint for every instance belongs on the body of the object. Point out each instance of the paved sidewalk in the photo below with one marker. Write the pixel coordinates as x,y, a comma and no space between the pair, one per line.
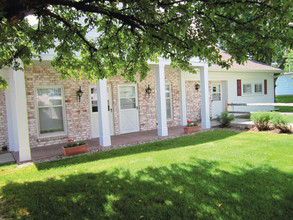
6,158
55,152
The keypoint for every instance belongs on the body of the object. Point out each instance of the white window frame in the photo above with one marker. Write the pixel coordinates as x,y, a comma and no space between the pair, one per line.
251,89
171,106
262,89
52,134
253,83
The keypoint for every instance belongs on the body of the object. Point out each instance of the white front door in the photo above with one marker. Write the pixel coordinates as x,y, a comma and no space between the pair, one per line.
217,103
128,105
94,111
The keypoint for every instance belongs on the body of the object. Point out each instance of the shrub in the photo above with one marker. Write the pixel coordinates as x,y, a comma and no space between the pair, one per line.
261,120
280,121
225,119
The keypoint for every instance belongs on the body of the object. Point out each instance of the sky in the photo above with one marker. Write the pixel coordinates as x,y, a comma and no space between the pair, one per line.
32,19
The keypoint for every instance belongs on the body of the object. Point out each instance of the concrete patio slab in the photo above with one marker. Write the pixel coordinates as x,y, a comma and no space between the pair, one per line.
6,158
55,152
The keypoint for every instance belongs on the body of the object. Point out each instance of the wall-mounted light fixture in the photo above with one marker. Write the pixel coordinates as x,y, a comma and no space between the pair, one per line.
79,93
197,86
148,90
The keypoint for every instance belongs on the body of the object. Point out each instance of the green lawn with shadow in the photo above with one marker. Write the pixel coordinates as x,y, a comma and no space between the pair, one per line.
284,99
228,176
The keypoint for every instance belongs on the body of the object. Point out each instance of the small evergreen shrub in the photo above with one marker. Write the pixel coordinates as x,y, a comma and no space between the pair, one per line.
225,119
280,121
261,120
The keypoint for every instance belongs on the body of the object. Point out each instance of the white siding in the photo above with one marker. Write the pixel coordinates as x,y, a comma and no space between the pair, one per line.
229,78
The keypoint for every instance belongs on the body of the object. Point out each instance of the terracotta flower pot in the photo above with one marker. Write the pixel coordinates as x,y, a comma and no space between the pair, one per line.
69,151
188,130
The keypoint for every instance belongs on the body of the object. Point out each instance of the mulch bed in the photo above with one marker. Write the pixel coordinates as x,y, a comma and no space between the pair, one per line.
273,131
254,129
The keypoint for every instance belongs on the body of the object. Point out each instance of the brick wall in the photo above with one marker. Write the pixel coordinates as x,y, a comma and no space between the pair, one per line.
193,101
147,105
3,120
77,113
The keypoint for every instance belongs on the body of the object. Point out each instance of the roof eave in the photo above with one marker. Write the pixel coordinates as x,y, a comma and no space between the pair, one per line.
212,69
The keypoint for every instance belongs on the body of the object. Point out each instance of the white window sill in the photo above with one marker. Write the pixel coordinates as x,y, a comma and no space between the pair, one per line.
54,134
252,94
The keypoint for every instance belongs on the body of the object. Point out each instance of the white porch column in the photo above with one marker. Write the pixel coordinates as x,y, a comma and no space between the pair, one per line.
161,101
182,98
17,116
205,100
104,127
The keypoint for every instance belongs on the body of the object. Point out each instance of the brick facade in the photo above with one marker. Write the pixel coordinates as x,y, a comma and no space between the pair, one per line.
78,114
3,120
147,105
193,101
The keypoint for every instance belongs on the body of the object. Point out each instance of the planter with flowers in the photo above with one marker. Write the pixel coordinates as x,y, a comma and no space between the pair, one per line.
73,148
191,127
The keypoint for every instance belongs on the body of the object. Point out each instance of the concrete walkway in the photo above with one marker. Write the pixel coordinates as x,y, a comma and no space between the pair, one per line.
6,158
55,152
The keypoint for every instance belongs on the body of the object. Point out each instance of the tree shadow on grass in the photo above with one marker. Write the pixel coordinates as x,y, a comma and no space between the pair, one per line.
199,138
182,191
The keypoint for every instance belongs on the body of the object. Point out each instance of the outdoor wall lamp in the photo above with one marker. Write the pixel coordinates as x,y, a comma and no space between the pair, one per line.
79,93
148,90
197,86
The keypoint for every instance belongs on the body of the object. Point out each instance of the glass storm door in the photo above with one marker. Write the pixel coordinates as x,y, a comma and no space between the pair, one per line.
128,105
217,104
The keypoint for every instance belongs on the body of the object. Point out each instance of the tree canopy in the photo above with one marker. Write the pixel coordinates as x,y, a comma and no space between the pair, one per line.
98,39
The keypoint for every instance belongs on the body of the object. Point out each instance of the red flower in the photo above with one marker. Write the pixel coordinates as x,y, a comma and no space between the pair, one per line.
70,140
188,121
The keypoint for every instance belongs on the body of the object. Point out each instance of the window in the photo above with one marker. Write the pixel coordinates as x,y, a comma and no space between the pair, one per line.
94,99
50,110
216,92
252,88
247,89
168,101
258,88
127,97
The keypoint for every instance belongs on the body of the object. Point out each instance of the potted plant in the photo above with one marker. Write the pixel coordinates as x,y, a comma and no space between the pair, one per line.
191,127
73,148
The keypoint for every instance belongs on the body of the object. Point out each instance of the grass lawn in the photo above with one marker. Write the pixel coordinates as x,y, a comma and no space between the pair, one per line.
211,175
285,99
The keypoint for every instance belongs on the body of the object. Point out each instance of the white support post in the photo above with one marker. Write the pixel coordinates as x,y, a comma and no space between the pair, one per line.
161,101
205,100
104,128
10,110
183,99
17,116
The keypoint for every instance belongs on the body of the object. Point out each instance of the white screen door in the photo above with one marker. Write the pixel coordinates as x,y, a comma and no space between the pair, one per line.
128,104
217,103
